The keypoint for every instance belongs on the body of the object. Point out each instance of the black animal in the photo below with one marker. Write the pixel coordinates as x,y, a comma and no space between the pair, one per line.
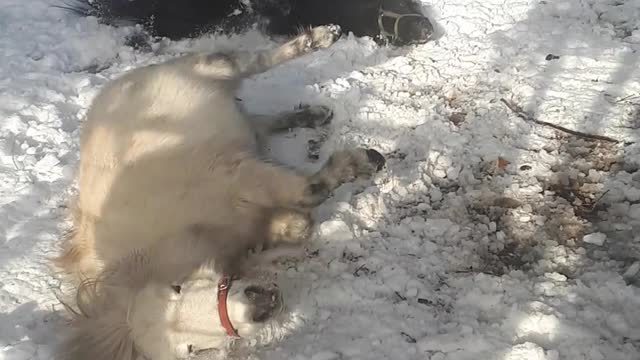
396,22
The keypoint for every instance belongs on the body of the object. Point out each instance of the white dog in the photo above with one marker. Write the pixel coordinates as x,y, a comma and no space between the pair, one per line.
173,192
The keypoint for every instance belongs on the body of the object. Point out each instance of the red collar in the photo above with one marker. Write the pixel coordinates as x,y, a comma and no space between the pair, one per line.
223,286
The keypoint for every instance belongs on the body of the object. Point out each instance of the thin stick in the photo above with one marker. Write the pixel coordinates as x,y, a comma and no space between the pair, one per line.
598,200
632,96
518,111
13,153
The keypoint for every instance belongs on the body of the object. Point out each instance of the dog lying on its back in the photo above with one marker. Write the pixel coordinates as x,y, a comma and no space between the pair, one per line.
173,193
399,22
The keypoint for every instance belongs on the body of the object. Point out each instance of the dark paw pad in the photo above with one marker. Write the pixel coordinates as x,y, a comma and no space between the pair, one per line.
376,158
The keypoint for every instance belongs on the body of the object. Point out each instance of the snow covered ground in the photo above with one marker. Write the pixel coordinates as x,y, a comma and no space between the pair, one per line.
469,245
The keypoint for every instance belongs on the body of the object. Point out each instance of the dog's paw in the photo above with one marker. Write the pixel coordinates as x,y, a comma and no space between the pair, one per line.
364,164
290,226
341,167
321,37
325,36
349,165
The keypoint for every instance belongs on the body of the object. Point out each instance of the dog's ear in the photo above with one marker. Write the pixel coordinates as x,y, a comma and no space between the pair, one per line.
99,328
104,337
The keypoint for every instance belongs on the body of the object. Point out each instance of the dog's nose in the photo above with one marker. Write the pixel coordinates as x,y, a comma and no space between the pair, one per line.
426,28
265,301
426,35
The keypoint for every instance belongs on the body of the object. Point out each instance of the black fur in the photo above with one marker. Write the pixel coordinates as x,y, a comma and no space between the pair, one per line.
178,19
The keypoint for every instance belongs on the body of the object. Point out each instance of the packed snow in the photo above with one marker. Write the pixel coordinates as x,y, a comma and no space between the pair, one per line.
487,236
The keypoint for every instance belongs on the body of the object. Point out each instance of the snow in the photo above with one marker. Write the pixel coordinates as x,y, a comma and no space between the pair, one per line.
595,238
469,245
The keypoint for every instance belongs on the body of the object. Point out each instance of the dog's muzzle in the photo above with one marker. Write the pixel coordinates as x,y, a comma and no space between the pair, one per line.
265,302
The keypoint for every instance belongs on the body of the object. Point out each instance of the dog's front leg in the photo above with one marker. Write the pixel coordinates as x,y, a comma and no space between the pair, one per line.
287,195
342,167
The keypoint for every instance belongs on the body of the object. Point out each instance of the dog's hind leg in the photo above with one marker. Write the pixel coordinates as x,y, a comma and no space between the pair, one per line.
252,63
242,64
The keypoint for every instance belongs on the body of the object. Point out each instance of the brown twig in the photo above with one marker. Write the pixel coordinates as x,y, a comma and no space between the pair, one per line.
13,153
360,268
632,96
521,114
595,203
408,338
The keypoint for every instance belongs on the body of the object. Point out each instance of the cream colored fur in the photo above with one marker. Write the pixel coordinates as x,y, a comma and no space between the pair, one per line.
131,309
173,188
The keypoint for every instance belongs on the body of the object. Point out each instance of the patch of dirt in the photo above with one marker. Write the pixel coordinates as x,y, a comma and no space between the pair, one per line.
528,230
